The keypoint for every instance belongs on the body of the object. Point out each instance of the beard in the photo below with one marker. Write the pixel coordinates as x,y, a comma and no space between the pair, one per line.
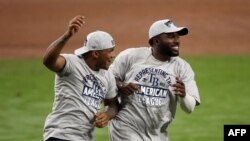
168,50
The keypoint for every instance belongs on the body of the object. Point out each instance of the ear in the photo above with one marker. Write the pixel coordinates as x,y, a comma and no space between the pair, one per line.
95,54
156,41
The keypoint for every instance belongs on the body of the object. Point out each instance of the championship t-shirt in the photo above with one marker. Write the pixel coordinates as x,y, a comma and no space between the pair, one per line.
146,114
79,92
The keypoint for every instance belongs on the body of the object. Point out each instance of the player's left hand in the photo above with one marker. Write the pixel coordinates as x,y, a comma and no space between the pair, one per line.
101,120
179,88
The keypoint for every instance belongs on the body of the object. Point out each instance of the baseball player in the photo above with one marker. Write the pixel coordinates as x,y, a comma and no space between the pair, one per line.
82,82
151,81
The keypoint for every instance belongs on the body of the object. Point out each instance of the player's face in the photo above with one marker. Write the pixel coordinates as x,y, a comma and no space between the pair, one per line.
105,58
169,44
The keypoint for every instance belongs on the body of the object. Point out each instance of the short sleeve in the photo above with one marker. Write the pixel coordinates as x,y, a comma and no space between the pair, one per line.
112,89
69,65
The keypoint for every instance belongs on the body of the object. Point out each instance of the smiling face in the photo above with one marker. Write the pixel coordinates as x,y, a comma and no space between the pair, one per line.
105,58
168,44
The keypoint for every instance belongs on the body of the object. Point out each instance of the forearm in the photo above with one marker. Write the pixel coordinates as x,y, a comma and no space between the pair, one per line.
111,110
187,103
54,50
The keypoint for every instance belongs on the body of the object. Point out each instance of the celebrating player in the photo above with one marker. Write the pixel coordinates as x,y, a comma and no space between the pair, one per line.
151,80
82,82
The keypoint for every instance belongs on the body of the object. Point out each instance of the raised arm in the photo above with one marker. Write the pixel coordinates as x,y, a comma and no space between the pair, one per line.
52,59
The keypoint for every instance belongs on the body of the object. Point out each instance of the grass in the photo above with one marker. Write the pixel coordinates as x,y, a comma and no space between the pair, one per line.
26,94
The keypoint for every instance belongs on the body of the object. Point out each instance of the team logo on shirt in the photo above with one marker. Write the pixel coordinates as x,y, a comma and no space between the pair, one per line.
93,91
151,96
154,87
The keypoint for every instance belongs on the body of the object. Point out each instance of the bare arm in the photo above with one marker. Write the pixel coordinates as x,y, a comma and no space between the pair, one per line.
111,109
52,59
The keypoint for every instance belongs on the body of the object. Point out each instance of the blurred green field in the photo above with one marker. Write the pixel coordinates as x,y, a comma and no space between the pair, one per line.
26,94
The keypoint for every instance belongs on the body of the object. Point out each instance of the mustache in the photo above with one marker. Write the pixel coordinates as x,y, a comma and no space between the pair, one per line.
174,45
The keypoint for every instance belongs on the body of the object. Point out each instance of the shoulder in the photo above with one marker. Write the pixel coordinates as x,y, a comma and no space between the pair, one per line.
181,65
134,52
71,57
178,60
107,74
131,51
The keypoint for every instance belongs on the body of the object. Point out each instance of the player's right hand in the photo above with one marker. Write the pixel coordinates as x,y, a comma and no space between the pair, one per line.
75,24
101,120
128,89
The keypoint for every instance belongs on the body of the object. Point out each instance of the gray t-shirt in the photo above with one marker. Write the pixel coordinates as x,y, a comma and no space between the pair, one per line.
79,92
145,115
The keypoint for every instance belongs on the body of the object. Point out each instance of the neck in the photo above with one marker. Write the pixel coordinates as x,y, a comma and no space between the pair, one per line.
159,56
91,63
